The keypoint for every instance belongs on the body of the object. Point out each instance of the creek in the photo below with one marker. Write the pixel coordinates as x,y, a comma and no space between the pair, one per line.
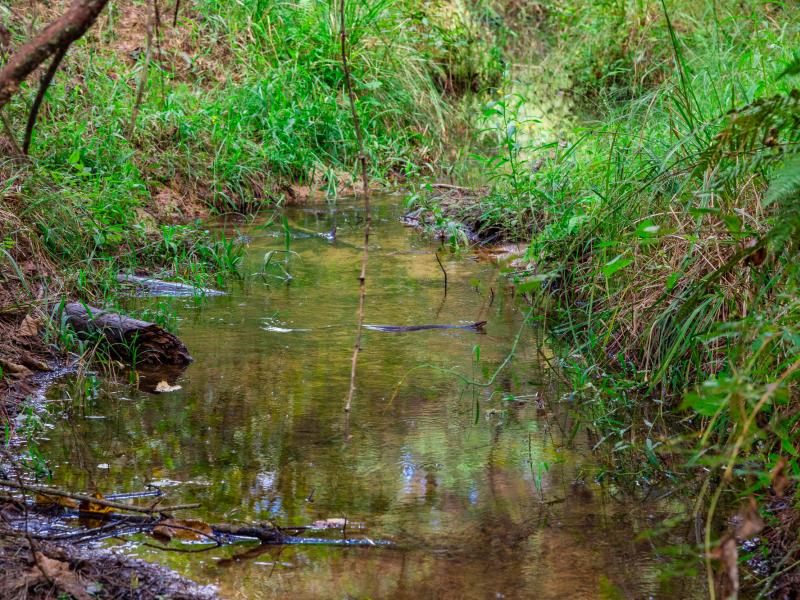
485,492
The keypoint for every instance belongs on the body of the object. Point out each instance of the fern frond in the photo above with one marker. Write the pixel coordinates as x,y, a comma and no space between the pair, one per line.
766,127
785,187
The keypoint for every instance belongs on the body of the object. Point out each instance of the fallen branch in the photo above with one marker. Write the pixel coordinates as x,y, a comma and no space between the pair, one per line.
51,491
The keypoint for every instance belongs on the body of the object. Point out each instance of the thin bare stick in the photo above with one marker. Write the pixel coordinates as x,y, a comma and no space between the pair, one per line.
47,79
50,491
10,133
159,55
441,266
145,68
362,157
175,14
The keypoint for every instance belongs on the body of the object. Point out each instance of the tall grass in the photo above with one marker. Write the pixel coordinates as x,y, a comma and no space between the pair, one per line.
663,236
242,106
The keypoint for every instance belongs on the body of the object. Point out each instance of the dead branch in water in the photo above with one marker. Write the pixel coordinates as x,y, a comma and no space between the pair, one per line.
51,491
441,266
56,36
362,157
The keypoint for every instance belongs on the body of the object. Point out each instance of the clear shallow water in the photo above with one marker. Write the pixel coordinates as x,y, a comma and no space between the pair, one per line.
483,497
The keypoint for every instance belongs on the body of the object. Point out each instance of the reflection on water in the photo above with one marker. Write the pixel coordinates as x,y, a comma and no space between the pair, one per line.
480,488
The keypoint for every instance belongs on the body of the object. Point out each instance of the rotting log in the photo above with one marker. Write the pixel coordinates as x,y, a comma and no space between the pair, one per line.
157,287
134,341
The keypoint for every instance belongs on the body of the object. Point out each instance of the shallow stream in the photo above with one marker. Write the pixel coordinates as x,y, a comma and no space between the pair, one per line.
485,492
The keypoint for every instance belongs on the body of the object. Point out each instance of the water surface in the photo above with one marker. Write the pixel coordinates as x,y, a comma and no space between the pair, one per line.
486,492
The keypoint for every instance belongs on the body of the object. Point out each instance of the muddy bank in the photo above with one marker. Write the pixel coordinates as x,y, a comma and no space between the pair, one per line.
46,571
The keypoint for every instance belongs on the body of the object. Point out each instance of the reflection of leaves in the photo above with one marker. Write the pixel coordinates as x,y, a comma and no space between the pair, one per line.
337,523
182,529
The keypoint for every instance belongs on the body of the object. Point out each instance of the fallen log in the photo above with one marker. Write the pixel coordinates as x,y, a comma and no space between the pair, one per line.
134,341
157,287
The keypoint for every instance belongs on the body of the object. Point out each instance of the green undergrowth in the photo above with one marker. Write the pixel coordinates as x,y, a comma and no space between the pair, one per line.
242,107
662,241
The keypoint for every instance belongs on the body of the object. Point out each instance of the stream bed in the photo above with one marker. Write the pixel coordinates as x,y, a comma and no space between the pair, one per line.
484,491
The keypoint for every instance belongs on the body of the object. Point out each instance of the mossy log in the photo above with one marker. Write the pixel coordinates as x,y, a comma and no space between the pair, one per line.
131,340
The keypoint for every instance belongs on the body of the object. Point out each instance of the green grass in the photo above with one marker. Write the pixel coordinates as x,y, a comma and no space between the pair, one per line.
663,231
242,102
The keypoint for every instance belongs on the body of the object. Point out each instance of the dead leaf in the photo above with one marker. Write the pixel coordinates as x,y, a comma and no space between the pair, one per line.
164,386
758,257
29,327
749,522
60,574
728,554
14,369
778,477
45,501
335,523
183,529
94,509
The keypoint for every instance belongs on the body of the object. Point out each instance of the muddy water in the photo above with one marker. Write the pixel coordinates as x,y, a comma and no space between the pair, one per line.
486,492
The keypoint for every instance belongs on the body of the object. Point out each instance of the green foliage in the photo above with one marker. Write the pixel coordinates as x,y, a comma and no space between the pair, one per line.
663,231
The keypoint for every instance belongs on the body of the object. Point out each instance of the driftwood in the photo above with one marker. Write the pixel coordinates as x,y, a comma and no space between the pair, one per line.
157,287
131,340
477,326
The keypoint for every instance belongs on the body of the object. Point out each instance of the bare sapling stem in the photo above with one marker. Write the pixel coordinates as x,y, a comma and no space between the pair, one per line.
47,79
441,266
362,158
146,67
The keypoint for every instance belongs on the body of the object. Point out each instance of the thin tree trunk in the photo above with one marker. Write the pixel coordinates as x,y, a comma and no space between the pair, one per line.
146,68
37,103
362,157
62,32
